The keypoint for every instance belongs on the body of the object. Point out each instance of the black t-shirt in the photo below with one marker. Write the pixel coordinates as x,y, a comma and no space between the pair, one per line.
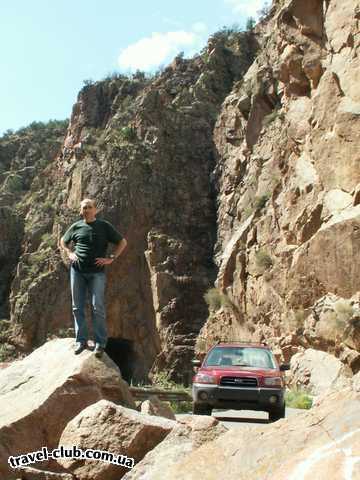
91,242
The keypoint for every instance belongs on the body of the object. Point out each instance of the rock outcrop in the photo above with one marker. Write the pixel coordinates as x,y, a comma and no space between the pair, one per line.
143,148
108,427
30,473
313,444
190,433
42,393
287,178
156,407
318,372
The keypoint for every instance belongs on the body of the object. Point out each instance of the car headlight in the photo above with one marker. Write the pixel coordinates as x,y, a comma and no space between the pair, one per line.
273,382
203,378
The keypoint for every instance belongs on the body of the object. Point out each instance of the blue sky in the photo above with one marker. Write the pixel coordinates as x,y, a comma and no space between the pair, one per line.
48,48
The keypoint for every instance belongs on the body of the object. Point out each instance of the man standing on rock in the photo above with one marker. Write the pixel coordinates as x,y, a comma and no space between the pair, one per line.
90,237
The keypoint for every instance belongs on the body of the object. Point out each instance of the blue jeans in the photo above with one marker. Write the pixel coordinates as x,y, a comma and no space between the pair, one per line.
94,284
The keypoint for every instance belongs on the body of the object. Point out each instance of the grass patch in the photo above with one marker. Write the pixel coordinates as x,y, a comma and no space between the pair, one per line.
297,398
215,299
277,113
62,333
261,201
161,380
263,259
127,134
297,318
49,240
14,183
7,352
344,310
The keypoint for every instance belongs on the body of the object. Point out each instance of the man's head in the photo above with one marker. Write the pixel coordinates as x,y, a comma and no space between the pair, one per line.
88,209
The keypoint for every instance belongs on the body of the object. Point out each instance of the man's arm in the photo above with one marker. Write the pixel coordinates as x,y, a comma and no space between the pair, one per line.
72,255
120,247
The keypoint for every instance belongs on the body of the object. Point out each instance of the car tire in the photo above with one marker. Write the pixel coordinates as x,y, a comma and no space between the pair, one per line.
201,409
277,414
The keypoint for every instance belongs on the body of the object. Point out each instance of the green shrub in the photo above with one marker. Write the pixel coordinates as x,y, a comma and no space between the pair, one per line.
181,407
14,183
248,211
7,352
277,113
127,134
250,24
215,299
49,240
263,259
264,11
161,380
62,333
297,398
226,32
8,133
88,82
48,206
299,317
261,201
344,309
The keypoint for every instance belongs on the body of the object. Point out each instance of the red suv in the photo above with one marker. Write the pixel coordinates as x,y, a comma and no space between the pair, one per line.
240,376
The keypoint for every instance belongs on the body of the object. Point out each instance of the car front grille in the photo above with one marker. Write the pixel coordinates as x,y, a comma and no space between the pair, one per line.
239,382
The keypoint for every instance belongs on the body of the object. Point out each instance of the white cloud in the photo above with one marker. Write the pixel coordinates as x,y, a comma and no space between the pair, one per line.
248,8
150,52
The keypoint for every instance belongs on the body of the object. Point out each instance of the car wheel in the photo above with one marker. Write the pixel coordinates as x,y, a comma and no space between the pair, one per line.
277,414
201,409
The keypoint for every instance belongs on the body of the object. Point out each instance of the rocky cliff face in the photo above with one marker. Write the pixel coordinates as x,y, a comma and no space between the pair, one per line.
287,142
144,150
26,158
237,168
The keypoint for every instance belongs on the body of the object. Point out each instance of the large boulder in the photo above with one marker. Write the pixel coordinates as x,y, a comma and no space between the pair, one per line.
321,443
318,372
115,429
41,393
30,473
191,432
154,406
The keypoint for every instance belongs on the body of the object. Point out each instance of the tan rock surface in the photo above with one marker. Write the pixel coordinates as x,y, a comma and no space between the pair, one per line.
156,407
356,382
318,372
321,443
40,394
190,433
298,179
112,428
30,473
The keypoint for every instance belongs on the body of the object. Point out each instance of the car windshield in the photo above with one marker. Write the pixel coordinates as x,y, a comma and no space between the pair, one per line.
240,356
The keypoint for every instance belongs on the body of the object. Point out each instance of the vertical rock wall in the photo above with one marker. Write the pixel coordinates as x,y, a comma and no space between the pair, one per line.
287,142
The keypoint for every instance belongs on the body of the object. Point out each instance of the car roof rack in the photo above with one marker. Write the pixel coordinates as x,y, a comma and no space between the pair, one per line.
241,341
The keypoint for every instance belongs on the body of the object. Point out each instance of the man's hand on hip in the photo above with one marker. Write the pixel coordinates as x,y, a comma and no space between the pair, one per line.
99,262
73,257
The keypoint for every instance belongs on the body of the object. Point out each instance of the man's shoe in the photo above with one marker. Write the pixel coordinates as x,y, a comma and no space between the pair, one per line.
98,351
79,347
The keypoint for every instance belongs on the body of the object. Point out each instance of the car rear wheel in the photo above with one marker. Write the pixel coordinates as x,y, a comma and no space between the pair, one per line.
201,409
277,414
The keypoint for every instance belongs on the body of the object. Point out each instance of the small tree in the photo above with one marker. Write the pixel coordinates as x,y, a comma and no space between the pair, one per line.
264,11
88,82
250,24
8,132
